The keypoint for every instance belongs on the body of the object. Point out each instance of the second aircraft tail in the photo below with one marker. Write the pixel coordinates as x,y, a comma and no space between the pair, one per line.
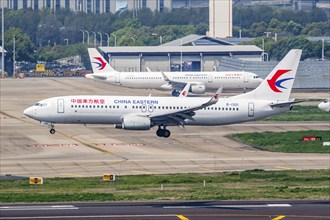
99,64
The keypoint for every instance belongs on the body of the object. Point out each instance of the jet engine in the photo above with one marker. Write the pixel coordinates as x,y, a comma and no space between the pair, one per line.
134,122
197,89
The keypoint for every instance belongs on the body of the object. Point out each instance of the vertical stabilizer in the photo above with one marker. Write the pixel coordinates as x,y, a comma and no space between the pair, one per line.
99,64
278,84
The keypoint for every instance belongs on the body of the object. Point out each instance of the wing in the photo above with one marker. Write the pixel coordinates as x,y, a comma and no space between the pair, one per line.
177,85
178,116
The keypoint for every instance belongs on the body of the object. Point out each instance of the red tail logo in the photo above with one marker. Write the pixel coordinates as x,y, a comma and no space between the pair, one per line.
274,83
101,64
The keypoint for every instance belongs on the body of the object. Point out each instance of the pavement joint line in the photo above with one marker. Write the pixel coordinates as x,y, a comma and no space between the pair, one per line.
279,217
284,168
191,145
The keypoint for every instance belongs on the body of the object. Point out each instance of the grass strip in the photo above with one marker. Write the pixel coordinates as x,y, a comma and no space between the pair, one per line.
289,141
252,184
301,113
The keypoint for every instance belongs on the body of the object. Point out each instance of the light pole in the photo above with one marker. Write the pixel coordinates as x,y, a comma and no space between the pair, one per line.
83,32
100,38
115,38
94,38
181,55
240,34
322,49
3,41
14,55
107,38
87,37
267,33
160,37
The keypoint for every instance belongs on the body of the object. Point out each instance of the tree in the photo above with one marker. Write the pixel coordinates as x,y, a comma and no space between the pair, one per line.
25,49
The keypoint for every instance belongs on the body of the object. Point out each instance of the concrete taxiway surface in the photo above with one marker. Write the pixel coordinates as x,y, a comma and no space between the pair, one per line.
27,148
256,210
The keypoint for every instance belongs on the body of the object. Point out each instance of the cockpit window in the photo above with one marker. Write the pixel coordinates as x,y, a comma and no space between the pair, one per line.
40,104
326,101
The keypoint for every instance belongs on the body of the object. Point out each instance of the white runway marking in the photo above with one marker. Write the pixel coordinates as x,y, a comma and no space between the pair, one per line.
34,208
229,206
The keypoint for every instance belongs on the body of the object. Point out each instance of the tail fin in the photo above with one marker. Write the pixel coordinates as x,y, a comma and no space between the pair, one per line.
99,64
278,84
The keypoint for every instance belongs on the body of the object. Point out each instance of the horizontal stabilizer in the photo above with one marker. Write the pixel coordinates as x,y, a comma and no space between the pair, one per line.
285,104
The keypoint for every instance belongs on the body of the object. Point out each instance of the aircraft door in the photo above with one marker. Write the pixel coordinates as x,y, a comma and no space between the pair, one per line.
210,78
246,78
60,105
251,109
117,80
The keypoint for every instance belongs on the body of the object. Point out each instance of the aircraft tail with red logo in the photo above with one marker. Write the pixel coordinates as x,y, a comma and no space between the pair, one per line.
99,64
278,84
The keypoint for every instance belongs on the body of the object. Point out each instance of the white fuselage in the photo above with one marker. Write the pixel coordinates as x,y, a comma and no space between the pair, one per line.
156,80
110,109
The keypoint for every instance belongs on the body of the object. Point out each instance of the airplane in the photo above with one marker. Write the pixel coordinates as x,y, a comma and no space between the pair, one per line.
200,81
271,97
325,105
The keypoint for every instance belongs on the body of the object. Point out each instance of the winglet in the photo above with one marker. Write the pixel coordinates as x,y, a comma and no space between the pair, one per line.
184,92
215,98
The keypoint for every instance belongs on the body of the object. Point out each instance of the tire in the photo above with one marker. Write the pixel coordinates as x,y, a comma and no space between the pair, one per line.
52,131
166,134
160,133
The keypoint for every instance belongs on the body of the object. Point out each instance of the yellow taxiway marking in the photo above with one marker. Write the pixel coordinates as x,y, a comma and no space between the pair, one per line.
181,217
284,168
279,217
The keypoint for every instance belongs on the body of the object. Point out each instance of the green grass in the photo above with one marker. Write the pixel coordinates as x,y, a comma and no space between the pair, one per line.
253,184
289,141
302,113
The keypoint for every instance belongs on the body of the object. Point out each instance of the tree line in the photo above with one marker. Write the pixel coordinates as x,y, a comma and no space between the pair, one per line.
45,36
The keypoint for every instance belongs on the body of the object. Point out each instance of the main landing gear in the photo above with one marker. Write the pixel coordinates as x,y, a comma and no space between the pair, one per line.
163,132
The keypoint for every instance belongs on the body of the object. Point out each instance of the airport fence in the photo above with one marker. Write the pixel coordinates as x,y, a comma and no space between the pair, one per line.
312,74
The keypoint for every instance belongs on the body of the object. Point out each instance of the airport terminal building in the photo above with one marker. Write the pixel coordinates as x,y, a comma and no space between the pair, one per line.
191,53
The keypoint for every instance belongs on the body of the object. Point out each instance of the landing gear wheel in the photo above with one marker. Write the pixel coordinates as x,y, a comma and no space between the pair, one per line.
160,132
167,133
52,131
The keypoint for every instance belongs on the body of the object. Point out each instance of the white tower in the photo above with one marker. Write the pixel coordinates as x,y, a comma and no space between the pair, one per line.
221,18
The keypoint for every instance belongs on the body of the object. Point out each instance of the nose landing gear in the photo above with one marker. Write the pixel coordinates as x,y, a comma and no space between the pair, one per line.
52,131
163,132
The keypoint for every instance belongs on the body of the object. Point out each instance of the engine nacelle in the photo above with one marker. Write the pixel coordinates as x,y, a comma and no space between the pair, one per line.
197,89
134,122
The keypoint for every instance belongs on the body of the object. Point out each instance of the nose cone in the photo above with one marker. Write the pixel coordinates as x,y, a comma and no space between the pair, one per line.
29,112
260,80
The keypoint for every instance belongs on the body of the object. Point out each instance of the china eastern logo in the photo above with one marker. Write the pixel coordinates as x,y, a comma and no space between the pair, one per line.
274,83
100,64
